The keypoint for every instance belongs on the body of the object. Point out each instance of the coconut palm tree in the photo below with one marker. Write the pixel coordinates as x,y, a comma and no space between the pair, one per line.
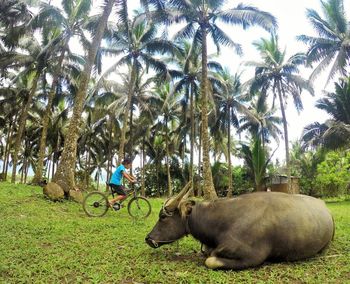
256,159
170,110
229,103
188,61
55,138
331,46
155,148
138,42
11,100
64,175
32,56
188,76
89,141
148,104
279,75
261,120
201,18
14,18
59,27
335,132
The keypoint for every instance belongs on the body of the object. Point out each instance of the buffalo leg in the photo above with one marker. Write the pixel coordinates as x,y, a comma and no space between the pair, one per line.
206,250
229,258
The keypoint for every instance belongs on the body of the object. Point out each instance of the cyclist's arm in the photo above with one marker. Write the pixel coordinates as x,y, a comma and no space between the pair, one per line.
130,178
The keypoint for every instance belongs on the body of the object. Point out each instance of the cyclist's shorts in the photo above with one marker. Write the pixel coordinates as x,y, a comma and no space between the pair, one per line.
119,189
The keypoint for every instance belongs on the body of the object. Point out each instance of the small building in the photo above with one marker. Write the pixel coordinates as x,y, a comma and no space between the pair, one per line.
278,183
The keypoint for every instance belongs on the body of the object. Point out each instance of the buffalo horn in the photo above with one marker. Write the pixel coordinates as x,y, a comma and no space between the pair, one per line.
172,204
188,193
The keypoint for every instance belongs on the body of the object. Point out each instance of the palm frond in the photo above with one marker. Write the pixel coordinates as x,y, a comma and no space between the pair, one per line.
219,37
247,16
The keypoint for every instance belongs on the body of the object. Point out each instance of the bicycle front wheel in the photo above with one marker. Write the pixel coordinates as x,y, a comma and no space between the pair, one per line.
95,204
139,207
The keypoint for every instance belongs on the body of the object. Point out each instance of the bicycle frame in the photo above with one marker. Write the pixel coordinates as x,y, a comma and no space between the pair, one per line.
133,192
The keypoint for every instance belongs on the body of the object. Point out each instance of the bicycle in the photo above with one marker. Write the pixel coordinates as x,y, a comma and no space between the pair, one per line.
96,204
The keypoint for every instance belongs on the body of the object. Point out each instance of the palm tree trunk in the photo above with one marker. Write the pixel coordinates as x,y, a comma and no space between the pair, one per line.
5,154
52,168
200,164
109,158
54,162
7,149
192,135
126,112
21,125
65,172
183,156
2,158
49,165
45,121
158,181
209,190
89,168
143,190
8,146
109,169
285,129
26,171
230,182
8,156
86,169
131,142
170,190
22,172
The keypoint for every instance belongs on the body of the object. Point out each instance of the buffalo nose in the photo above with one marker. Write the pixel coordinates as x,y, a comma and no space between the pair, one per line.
152,243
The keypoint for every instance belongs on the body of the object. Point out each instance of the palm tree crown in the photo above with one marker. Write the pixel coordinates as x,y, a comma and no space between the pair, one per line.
261,121
335,132
279,75
332,45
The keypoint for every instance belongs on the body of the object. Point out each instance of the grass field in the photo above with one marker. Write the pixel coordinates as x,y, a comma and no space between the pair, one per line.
46,242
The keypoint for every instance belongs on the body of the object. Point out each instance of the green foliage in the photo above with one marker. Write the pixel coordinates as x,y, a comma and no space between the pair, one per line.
256,160
304,165
220,178
156,178
80,180
333,174
241,180
46,242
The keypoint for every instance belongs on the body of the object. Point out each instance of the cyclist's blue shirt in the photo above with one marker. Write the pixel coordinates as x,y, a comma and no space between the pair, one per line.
117,176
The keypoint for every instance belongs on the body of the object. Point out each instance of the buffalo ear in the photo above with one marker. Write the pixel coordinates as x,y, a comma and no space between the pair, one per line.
185,207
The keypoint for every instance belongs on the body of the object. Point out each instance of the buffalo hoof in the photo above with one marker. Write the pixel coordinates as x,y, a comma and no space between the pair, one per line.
214,263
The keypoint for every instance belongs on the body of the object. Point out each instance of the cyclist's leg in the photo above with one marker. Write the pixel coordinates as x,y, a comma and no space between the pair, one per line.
119,189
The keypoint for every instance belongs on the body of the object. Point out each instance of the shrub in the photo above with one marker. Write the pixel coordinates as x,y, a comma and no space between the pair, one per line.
333,174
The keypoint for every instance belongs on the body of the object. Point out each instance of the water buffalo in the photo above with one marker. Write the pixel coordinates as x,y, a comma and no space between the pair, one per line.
245,231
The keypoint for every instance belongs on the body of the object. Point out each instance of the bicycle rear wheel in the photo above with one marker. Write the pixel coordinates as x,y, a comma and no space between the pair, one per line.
139,207
95,204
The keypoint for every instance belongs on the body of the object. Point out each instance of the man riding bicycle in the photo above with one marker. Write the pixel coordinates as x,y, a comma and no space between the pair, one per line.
116,181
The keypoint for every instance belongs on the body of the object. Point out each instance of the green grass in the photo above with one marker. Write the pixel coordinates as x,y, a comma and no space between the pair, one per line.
46,242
